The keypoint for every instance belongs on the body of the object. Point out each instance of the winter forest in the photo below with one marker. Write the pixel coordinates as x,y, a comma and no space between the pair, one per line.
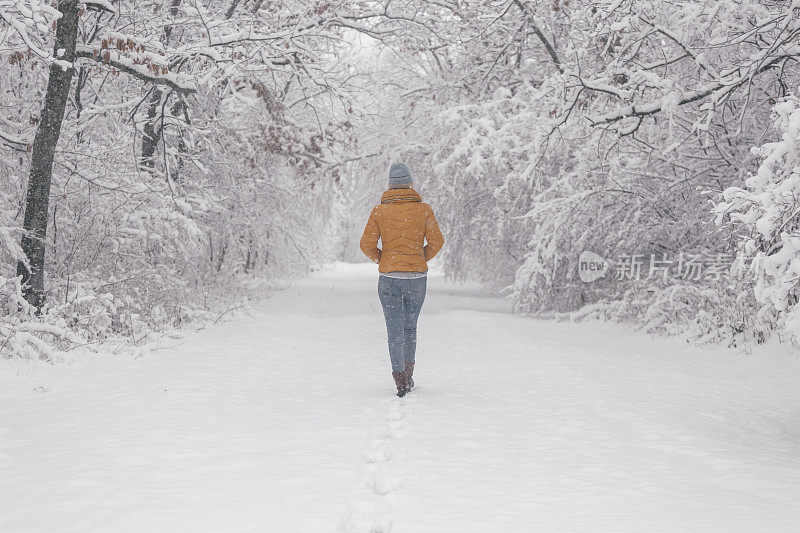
166,167
163,161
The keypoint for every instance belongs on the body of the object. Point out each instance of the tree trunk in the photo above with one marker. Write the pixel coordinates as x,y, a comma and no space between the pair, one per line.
44,147
152,132
152,129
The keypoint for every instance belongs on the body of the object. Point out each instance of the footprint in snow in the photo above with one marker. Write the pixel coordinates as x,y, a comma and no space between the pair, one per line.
377,451
364,517
387,480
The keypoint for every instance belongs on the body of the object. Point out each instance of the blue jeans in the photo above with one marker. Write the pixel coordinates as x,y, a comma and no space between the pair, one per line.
402,301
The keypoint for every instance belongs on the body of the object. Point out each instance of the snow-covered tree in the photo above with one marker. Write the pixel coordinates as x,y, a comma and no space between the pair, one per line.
179,153
544,129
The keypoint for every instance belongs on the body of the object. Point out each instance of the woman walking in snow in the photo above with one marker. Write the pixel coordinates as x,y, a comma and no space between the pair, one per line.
403,223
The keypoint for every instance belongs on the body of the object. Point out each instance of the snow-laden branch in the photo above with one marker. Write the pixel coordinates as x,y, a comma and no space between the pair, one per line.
26,19
13,141
103,5
544,40
762,62
149,72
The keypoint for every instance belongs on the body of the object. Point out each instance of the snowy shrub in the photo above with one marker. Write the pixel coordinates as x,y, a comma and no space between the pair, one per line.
25,334
767,212
721,313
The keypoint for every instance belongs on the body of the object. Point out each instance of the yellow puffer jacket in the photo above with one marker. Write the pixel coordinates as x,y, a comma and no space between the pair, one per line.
403,223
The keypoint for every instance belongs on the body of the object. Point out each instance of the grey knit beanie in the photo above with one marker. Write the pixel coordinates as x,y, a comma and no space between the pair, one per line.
399,176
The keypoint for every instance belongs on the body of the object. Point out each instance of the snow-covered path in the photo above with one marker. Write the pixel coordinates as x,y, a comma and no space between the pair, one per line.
285,422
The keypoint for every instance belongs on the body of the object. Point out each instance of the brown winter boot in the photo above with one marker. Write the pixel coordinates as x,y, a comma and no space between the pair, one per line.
409,375
400,382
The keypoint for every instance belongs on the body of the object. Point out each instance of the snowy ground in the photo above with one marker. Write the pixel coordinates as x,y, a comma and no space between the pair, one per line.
285,422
